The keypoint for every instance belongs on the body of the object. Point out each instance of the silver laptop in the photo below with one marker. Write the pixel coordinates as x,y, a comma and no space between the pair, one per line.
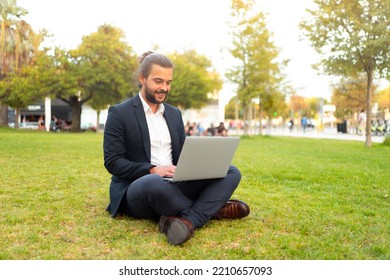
205,157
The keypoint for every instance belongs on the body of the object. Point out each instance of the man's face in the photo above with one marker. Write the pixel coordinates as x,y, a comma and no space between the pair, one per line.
157,85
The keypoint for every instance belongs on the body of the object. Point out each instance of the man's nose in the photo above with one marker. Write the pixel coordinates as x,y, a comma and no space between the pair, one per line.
164,86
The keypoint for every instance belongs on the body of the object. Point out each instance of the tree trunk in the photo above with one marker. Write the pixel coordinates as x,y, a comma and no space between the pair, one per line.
368,106
16,118
260,119
246,121
3,115
250,118
97,120
236,116
76,117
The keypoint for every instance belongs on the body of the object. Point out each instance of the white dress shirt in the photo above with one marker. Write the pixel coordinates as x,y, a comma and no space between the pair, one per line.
160,139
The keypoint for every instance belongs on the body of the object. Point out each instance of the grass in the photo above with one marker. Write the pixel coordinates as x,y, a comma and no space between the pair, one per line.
310,199
386,142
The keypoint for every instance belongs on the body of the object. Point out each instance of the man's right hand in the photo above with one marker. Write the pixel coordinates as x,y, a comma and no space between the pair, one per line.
163,171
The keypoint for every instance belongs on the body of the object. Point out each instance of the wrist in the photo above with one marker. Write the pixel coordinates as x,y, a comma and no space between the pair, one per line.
152,168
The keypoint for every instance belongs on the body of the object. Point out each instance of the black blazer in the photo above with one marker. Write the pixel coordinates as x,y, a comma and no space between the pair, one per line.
127,145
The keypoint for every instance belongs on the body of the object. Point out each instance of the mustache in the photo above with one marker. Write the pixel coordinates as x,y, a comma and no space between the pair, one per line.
162,91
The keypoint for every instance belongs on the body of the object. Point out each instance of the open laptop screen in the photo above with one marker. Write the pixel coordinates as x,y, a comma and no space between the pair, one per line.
205,157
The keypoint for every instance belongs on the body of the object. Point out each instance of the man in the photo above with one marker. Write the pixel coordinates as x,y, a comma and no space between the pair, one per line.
304,123
143,138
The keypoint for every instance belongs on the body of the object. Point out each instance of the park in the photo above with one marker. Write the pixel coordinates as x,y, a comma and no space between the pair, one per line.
283,74
311,199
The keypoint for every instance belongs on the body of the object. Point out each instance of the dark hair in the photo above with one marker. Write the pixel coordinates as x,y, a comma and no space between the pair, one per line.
146,61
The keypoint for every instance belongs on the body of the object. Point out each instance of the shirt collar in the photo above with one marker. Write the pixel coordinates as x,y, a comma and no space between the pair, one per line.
160,108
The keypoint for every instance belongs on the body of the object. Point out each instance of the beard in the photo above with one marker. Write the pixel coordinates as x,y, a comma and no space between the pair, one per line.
150,95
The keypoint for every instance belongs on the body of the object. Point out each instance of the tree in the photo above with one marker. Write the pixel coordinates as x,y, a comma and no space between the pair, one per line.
383,98
314,107
99,71
9,47
19,45
21,89
353,36
256,73
108,64
193,80
232,109
297,105
349,96
272,103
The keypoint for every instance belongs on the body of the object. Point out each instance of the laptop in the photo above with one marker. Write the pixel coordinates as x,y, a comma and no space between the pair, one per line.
205,157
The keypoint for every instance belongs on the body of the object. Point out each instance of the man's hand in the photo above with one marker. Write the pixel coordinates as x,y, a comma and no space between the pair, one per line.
163,171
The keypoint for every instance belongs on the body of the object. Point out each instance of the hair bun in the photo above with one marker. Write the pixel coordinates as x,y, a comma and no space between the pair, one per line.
142,57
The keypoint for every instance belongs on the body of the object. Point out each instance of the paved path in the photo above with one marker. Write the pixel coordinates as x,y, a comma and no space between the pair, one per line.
327,134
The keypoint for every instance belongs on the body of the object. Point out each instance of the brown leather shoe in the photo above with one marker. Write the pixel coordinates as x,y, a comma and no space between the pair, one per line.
163,223
233,209
178,230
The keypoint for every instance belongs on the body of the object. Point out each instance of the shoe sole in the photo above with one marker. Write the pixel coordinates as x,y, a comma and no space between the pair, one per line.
227,216
177,232
161,223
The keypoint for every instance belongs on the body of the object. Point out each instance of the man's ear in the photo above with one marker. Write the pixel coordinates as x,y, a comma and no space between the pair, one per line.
141,80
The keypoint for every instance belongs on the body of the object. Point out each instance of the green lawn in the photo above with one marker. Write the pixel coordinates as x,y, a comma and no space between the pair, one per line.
310,199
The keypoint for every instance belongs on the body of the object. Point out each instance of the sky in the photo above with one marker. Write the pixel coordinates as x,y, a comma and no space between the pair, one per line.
178,25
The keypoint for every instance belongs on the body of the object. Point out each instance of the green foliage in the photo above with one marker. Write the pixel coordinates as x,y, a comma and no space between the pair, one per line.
256,73
18,46
107,65
310,199
100,72
382,97
313,108
273,101
352,37
13,39
233,109
193,80
23,86
20,88
349,96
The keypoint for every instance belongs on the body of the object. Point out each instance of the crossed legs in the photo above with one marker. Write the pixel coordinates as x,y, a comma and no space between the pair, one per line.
151,196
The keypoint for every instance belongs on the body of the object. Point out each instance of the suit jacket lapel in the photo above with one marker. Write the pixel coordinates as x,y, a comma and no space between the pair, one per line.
171,122
140,114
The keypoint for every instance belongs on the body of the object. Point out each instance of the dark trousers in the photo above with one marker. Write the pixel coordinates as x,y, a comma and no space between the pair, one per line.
151,196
